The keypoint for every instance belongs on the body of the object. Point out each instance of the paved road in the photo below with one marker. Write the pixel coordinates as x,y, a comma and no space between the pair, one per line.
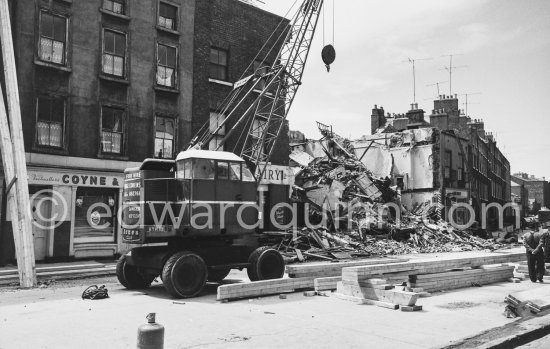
56,317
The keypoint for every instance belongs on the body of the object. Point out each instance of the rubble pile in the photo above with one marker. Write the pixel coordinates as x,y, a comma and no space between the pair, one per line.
356,221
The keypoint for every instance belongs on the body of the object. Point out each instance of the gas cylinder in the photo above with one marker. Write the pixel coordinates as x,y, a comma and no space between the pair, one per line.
151,334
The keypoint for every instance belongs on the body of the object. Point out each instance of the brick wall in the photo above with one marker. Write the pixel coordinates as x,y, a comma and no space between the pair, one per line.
242,30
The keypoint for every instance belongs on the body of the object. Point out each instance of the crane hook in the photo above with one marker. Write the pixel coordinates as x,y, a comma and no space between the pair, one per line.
328,54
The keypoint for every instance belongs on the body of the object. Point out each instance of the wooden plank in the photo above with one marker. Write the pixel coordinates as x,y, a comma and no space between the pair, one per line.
366,301
427,266
391,296
263,288
335,269
325,284
24,228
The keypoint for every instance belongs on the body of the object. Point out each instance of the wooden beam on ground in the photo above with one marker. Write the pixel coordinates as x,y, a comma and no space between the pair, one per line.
390,296
360,300
326,284
28,274
323,269
263,288
433,265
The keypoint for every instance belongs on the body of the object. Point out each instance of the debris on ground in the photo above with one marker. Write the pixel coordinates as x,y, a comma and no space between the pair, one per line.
355,215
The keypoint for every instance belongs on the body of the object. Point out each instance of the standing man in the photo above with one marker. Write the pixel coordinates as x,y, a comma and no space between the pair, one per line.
536,245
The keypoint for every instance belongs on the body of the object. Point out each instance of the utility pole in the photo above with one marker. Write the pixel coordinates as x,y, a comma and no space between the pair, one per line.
26,262
412,61
450,69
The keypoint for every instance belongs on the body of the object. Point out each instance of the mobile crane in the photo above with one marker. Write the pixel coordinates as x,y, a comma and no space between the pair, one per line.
193,217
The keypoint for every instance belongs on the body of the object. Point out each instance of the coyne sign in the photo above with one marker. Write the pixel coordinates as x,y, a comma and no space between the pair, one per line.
74,178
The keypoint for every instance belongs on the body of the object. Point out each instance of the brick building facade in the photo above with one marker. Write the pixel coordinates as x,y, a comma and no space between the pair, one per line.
473,168
105,84
538,191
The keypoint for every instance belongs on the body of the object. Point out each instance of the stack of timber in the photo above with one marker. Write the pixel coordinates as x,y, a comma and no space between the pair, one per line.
375,282
461,278
263,288
522,271
326,284
334,269
376,292
528,302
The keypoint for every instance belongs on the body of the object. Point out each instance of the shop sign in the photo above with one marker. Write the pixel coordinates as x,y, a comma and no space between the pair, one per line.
275,174
74,179
456,193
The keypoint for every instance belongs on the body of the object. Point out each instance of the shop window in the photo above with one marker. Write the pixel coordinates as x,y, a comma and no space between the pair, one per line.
95,215
164,137
216,120
168,15
112,130
50,121
115,6
53,38
114,53
218,64
166,65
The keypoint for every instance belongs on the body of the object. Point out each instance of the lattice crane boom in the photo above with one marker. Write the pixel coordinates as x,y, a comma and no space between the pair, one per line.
264,118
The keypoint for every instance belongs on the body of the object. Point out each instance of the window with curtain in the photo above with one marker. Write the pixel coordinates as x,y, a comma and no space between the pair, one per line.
164,137
166,65
168,16
115,6
53,38
50,121
112,130
114,52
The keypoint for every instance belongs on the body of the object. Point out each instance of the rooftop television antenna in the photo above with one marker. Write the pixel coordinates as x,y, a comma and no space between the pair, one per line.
412,61
451,68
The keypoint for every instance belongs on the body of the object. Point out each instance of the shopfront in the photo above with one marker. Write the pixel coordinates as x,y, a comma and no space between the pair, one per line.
74,213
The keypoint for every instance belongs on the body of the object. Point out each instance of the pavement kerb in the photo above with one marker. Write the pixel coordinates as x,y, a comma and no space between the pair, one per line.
522,332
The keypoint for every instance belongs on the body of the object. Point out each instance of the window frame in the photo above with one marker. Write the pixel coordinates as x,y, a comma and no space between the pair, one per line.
125,73
65,63
264,66
124,7
217,138
226,66
174,140
124,131
176,68
64,141
174,30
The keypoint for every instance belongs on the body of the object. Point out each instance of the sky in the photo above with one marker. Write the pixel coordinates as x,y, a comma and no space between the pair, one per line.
502,57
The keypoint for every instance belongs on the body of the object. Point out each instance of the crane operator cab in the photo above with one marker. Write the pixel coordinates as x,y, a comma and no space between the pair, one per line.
218,186
194,219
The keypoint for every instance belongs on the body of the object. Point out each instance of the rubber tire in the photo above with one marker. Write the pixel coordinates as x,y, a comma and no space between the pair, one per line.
265,264
130,277
217,275
181,268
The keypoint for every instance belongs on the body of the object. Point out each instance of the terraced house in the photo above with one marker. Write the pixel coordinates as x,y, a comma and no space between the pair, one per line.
105,84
